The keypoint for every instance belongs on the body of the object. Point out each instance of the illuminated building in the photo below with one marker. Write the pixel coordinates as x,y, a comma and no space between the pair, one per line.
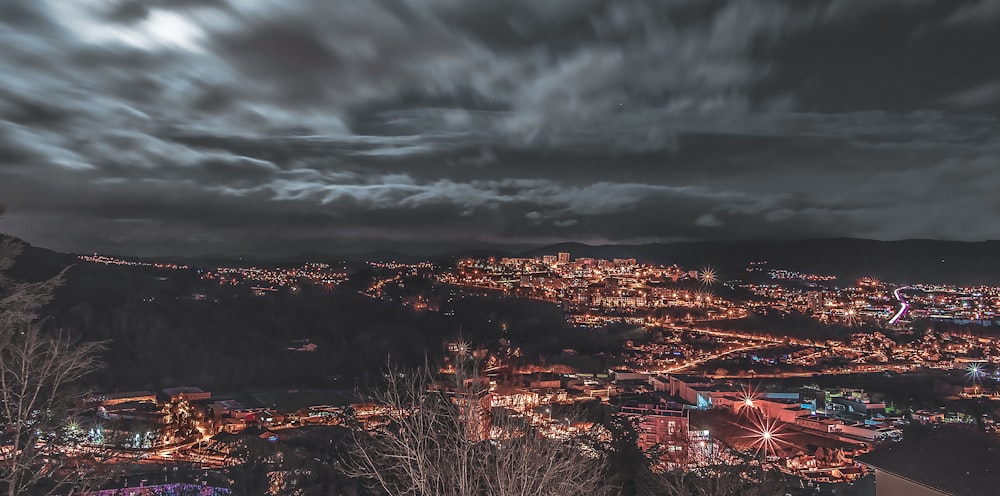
663,427
302,345
118,398
186,393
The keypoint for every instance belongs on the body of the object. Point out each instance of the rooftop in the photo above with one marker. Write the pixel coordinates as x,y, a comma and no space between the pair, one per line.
183,389
957,461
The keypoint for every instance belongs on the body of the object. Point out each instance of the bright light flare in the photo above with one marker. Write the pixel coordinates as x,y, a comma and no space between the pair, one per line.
851,318
748,400
766,436
707,276
975,372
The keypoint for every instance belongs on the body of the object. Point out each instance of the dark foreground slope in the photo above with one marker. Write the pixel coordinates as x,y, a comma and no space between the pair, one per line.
170,327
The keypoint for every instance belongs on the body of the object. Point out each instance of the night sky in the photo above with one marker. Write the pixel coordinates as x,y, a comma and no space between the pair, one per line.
152,127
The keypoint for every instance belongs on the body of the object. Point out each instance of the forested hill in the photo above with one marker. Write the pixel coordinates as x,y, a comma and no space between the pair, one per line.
35,264
170,327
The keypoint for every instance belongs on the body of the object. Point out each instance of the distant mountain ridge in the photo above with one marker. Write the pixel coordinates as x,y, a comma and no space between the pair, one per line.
36,264
906,261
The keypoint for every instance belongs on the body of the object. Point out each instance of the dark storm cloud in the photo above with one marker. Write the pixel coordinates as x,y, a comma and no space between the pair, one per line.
241,126
892,59
129,11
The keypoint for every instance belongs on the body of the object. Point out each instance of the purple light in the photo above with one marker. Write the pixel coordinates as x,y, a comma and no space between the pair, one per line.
903,306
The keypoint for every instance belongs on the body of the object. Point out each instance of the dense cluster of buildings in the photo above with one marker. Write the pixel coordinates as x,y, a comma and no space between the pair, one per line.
679,416
870,299
816,433
676,349
596,292
810,432
953,304
874,300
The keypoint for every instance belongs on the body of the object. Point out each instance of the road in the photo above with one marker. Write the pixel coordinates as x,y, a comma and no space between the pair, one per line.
758,342
903,306
768,339
709,358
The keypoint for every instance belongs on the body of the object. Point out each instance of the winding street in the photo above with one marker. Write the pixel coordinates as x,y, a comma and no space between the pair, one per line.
903,306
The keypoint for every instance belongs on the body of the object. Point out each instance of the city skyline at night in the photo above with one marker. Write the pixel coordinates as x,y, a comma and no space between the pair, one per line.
483,248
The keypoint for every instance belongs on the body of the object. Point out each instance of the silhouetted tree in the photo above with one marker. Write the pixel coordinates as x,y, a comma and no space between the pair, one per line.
250,462
434,443
39,371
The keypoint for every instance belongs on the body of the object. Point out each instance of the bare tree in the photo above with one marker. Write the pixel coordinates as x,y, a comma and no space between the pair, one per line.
446,441
722,480
41,451
532,464
20,302
249,462
719,472
423,449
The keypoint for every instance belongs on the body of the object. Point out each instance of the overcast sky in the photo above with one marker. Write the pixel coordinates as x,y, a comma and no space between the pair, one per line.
275,127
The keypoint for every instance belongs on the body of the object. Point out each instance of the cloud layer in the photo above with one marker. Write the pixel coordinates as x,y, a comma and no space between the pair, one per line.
205,126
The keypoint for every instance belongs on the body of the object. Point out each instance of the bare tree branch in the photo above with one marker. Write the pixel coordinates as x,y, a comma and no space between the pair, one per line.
39,370
443,439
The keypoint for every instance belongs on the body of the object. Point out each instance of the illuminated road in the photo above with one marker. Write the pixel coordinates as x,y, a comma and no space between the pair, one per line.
757,342
186,451
750,337
711,357
902,304
764,339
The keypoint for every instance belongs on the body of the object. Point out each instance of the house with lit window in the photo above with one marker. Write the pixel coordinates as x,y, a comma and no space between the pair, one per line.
661,426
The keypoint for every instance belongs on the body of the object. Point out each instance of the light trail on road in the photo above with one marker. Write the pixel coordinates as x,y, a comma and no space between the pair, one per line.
709,358
903,306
